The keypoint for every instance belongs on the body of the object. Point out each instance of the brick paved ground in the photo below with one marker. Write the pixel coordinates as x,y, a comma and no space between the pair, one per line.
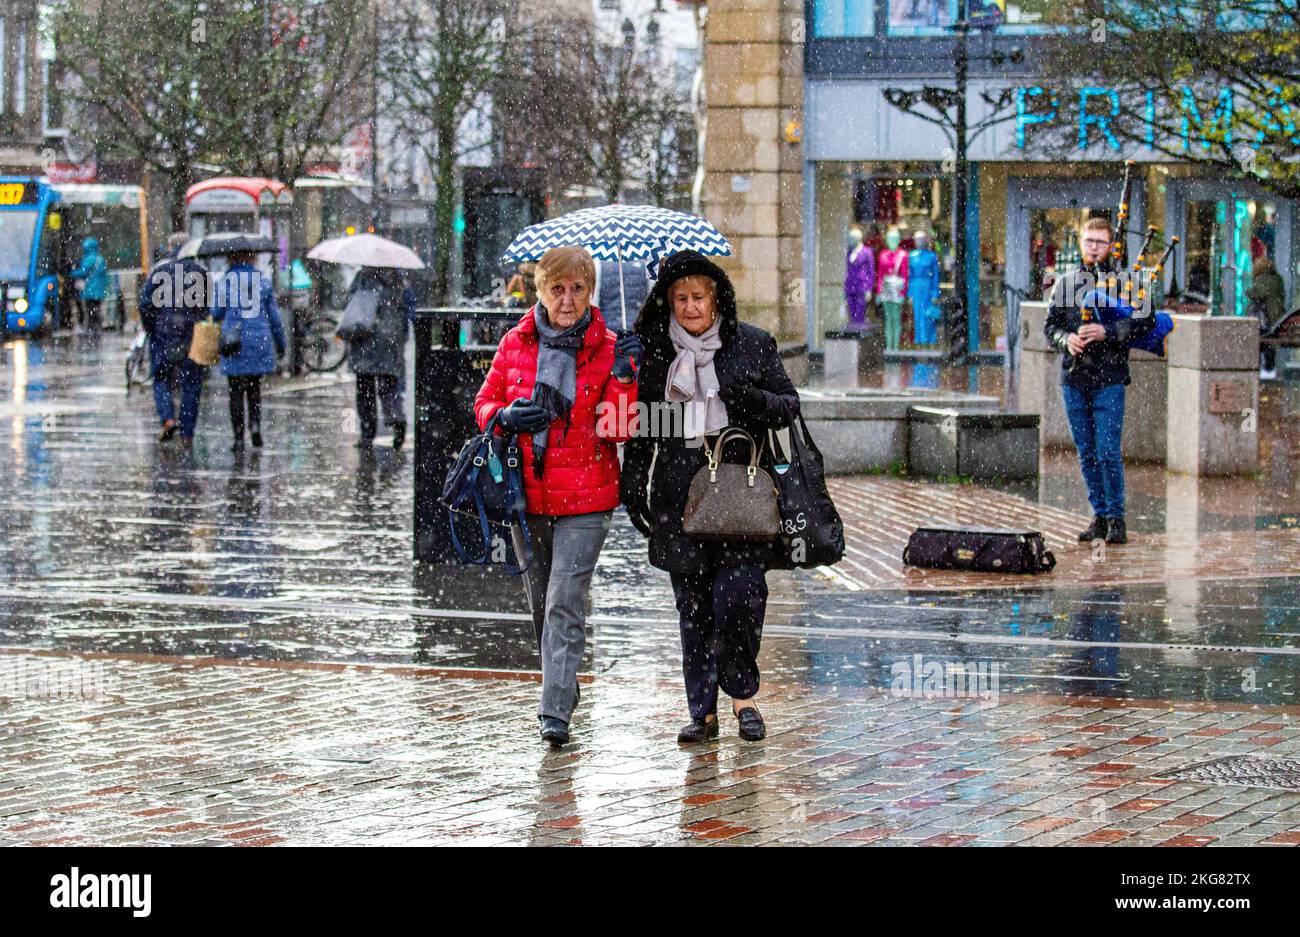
227,753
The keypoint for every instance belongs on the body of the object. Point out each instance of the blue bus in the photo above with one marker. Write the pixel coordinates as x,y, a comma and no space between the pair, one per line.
28,253
42,226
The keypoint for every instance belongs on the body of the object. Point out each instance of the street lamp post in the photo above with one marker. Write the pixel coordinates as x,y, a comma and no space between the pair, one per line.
949,105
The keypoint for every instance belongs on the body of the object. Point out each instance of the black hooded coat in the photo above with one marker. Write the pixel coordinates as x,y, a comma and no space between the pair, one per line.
758,395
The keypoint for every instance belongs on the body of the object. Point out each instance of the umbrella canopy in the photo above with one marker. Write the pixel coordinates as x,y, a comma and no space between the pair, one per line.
227,242
366,250
621,232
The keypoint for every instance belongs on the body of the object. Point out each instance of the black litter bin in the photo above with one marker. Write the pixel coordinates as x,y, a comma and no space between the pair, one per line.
453,352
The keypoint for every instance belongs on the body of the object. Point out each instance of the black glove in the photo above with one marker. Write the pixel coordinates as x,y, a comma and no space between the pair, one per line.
734,396
628,350
522,416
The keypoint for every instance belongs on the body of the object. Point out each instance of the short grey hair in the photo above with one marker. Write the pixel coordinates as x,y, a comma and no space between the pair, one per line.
176,240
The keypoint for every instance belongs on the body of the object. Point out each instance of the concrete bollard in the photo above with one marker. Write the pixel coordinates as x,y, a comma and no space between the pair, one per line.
848,353
1213,404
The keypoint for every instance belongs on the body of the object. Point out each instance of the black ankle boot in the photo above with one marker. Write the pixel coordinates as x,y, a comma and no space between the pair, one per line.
1116,532
555,731
1096,531
697,730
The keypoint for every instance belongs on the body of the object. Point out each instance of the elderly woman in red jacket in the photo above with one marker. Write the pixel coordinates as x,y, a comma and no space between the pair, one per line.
549,379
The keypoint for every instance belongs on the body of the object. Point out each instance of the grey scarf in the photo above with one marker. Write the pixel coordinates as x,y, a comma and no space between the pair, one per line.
692,379
556,386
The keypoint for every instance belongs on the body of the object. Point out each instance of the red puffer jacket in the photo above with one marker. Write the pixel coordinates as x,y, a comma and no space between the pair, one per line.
581,470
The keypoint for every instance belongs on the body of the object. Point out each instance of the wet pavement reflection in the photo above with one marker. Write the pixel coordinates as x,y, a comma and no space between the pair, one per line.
301,552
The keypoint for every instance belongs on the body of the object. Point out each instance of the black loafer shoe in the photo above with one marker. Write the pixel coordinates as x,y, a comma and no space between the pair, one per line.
1116,532
555,731
399,435
698,730
751,724
1096,531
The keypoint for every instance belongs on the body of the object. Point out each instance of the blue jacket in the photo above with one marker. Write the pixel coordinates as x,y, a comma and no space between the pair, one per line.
173,297
243,301
93,269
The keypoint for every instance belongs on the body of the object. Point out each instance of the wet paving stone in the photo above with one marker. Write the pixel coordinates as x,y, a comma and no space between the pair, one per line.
232,650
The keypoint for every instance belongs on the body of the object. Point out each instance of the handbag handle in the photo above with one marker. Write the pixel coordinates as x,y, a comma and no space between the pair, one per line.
715,457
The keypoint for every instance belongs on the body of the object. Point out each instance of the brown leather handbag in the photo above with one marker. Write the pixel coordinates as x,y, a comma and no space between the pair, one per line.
732,502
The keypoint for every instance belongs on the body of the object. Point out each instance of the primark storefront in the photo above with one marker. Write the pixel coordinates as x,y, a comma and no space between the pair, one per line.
872,167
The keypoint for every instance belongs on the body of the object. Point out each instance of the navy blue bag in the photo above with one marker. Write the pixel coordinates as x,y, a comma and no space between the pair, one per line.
486,482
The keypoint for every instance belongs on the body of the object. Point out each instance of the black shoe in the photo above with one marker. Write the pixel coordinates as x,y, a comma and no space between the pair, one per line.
1096,531
399,435
751,724
697,730
237,446
168,430
257,439
364,444
1116,532
555,731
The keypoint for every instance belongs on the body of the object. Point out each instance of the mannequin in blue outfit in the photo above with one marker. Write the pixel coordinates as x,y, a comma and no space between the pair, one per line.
923,288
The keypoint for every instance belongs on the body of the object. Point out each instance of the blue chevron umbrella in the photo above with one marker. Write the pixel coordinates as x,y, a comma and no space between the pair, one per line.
621,232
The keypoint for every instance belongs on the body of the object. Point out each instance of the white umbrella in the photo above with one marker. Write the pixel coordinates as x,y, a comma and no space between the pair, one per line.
366,250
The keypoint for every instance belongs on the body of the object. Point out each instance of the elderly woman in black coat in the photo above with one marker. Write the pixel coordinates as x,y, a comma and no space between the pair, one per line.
724,373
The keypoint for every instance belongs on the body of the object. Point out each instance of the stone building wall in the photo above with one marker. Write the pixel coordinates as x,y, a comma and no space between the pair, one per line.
753,179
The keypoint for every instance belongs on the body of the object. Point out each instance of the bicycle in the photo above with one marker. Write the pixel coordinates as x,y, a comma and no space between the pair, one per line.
139,369
322,350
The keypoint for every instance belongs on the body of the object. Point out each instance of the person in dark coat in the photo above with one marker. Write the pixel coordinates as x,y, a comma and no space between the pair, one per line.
1267,297
698,353
379,361
173,297
245,306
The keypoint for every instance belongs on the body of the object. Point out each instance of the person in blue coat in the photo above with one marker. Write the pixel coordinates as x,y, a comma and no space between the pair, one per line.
923,289
252,338
93,272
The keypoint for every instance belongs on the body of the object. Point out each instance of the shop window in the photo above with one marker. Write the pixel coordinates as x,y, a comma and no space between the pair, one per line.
935,17
1228,241
843,19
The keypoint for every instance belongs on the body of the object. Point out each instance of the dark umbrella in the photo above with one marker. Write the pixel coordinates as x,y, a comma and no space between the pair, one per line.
228,242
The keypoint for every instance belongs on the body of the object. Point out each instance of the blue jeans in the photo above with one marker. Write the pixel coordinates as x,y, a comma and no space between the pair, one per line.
166,378
1097,422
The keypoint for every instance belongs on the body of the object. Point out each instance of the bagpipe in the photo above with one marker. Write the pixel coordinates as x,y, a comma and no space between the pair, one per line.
1112,304
1107,308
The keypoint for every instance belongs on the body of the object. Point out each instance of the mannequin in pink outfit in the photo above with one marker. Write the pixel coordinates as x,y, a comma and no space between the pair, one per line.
891,285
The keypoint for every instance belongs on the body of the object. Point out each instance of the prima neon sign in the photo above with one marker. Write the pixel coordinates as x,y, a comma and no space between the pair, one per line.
1099,107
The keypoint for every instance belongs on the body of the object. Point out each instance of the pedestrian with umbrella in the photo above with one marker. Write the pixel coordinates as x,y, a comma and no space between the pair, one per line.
553,379
376,325
173,299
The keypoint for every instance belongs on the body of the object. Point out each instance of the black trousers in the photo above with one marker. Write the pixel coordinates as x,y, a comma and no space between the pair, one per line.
388,388
245,388
721,615
90,313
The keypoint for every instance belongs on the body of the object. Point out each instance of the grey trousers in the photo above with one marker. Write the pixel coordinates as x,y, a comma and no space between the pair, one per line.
559,580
